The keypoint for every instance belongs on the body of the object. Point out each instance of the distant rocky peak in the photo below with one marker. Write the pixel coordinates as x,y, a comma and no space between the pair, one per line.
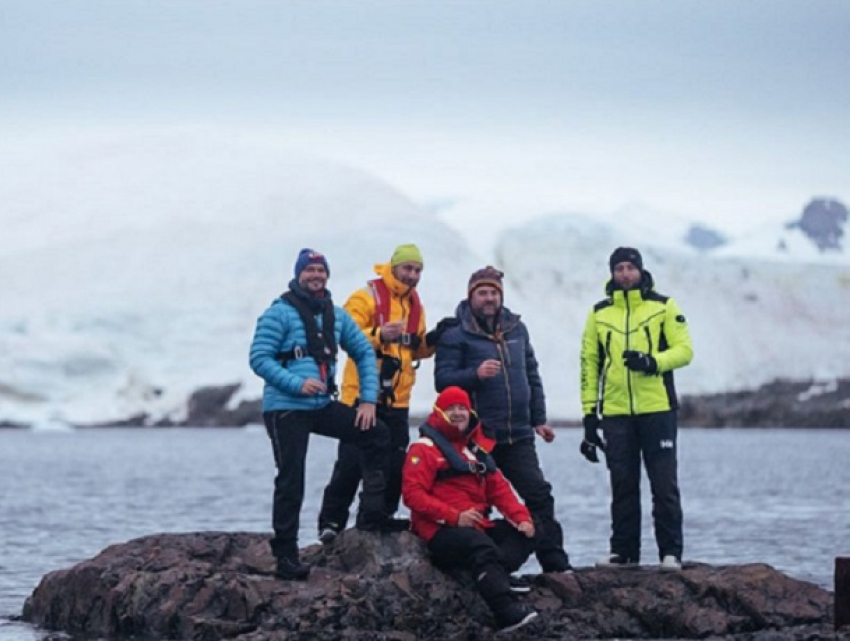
704,238
823,222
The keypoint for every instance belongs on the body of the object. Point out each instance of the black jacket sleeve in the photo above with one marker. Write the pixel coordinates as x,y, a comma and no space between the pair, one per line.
451,366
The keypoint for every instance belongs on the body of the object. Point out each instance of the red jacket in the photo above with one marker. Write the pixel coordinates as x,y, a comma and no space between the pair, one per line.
437,502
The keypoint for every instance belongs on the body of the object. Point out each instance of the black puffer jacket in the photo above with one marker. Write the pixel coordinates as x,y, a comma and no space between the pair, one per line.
511,403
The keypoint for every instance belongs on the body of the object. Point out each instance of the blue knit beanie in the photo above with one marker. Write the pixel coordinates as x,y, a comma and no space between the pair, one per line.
310,257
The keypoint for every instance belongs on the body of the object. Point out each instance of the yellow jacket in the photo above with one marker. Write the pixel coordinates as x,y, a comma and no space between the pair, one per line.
639,320
361,305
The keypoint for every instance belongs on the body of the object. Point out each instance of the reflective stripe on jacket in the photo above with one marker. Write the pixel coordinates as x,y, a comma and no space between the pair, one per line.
639,320
361,305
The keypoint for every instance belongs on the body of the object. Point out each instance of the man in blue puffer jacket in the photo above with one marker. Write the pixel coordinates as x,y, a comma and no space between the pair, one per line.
294,351
486,350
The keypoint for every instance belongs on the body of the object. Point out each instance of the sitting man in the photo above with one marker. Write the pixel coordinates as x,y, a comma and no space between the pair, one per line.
450,483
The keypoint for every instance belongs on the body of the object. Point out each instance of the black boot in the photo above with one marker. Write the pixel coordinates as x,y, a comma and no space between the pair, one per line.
291,569
372,515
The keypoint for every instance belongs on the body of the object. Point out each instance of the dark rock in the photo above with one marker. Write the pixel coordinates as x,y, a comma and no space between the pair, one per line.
705,238
781,403
382,587
208,407
823,221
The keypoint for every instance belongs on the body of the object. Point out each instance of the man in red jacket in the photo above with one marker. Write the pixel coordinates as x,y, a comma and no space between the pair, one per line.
450,483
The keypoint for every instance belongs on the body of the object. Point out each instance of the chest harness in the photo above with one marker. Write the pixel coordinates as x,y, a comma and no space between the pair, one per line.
321,341
390,365
459,464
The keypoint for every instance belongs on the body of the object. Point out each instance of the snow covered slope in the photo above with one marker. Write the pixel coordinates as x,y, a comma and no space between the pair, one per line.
751,319
133,269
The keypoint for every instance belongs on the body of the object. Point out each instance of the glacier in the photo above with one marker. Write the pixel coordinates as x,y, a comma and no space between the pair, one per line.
134,267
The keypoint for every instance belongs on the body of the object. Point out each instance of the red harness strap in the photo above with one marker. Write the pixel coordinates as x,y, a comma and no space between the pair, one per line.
382,306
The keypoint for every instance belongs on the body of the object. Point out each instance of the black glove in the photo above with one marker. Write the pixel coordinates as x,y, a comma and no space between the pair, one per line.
592,440
433,337
640,362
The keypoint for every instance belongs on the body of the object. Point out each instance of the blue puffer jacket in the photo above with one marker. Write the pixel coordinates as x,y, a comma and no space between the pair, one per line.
511,403
280,329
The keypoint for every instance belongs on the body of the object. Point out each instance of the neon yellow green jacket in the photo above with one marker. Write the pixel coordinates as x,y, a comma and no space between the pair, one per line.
640,320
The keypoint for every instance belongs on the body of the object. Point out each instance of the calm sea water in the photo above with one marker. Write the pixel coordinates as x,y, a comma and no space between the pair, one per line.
775,496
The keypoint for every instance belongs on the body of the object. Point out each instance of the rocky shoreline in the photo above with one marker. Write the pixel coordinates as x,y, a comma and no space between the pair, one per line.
781,403
365,586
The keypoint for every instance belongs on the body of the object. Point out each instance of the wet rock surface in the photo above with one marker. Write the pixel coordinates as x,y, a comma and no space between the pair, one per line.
217,585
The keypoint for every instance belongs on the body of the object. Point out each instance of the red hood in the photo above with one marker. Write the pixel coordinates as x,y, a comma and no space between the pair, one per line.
473,431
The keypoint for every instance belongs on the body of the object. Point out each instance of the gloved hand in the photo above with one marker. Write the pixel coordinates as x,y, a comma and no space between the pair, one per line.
433,337
592,440
640,362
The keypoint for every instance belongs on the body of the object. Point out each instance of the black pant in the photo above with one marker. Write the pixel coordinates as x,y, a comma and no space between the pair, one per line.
340,491
490,555
520,465
654,437
289,431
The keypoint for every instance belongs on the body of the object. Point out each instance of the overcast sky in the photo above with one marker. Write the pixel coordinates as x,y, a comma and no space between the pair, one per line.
725,110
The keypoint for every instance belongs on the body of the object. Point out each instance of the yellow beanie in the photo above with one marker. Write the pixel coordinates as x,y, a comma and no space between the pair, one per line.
406,254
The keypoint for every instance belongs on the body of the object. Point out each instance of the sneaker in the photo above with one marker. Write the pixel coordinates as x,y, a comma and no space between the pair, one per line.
514,617
327,535
616,561
292,569
519,584
670,563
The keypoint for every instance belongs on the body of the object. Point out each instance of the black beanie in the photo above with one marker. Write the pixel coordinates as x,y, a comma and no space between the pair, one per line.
625,255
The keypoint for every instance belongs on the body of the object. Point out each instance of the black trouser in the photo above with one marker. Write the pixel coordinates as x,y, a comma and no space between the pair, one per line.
289,431
340,491
520,465
654,437
491,555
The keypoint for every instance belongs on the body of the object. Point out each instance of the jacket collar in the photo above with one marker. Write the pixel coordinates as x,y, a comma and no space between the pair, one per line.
396,287
507,320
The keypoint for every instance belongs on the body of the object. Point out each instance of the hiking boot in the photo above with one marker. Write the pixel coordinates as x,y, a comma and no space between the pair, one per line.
519,584
670,563
514,616
616,561
291,569
396,525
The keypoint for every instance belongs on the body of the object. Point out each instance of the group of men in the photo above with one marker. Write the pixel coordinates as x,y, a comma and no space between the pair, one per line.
476,449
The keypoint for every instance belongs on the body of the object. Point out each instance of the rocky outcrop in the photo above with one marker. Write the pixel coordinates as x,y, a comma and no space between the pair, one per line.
778,404
382,587
823,221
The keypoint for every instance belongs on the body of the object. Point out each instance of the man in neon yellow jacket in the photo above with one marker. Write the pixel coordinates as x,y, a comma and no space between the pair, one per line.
632,342
390,314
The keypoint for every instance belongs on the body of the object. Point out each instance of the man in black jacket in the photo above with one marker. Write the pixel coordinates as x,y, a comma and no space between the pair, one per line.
486,350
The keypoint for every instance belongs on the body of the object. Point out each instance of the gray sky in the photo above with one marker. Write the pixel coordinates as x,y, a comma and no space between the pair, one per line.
719,110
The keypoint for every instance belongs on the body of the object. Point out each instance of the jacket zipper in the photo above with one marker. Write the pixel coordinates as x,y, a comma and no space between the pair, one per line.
628,371
507,387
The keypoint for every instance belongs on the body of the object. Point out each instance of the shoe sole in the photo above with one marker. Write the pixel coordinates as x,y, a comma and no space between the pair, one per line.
528,618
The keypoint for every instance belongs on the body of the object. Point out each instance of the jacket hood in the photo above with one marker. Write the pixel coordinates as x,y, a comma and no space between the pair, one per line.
396,287
437,420
507,319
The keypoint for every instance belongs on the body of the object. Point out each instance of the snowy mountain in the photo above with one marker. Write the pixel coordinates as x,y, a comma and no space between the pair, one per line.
134,268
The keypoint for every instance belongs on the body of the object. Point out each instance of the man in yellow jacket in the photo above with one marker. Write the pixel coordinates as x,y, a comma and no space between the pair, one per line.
389,312
632,342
